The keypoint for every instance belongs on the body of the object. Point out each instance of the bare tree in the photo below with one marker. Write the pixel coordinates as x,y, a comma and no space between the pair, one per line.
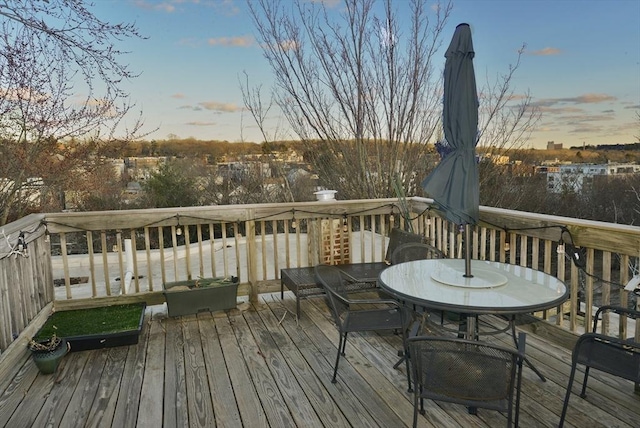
359,86
60,75
356,89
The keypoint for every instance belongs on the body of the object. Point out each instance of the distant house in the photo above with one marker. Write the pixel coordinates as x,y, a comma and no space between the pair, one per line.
577,176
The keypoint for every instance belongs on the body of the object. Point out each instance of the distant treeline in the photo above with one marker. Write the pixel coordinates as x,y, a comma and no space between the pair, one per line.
619,147
214,150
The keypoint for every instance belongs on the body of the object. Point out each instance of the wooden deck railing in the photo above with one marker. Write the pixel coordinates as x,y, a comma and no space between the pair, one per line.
104,257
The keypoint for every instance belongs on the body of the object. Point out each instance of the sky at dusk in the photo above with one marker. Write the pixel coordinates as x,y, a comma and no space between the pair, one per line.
581,65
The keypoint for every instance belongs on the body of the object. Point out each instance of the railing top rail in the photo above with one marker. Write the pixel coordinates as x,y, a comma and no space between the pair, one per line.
129,219
611,237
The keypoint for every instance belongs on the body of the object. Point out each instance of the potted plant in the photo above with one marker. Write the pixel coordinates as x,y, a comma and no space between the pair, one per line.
47,353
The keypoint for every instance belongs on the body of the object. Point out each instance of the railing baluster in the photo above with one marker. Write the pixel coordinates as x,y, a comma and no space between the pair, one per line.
147,246
212,248
236,237
92,268
200,251
134,256
276,253
105,262
120,247
225,257
163,268
65,264
187,251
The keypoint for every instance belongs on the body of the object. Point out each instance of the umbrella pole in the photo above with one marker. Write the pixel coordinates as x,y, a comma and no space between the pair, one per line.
467,251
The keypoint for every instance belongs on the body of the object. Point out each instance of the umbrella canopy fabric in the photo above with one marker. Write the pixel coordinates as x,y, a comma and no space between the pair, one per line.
454,183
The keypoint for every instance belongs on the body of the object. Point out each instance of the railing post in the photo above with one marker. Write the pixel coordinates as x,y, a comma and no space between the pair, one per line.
252,258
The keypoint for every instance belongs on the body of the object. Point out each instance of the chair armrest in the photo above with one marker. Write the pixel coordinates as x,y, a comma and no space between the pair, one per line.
374,302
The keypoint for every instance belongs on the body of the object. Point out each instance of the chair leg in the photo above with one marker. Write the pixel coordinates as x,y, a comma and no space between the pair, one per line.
415,408
568,394
343,339
344,344
518,390
583,393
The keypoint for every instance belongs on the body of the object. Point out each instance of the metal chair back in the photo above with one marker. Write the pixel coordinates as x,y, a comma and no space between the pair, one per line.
614,355
415,251
472,373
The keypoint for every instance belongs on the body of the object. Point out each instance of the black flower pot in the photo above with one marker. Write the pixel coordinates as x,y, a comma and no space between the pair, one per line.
47,361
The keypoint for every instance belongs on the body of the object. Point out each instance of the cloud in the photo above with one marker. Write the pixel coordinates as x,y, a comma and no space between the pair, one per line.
179,96
219,107
328,3
190,107
547,52
162,6
189,42
238,41
197,123
637,106
581,99
225,7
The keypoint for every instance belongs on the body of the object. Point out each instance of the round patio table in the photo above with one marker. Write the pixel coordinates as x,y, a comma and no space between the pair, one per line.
494,288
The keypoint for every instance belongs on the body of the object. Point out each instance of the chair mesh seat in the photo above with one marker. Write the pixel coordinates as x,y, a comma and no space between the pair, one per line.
375,319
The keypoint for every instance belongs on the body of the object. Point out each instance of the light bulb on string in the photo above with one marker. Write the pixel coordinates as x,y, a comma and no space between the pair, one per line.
507,247
345,225
178,228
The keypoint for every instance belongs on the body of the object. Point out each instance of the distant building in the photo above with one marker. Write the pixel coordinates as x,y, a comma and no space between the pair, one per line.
551,145
577,176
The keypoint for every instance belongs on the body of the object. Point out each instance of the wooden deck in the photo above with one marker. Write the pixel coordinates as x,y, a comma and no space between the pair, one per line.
259,368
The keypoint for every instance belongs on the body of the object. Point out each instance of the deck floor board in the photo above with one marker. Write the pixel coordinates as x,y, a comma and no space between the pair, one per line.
261,367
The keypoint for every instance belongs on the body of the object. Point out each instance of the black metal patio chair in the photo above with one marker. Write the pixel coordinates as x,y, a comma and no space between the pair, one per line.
415,251
472,373
383,315
613,355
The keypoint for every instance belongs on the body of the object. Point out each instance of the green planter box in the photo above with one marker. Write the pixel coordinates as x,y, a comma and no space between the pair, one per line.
198,295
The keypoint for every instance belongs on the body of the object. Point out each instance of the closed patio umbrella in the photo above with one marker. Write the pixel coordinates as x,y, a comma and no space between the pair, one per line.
454,183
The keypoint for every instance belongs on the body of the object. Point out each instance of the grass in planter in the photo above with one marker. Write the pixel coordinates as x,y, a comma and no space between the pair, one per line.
85,322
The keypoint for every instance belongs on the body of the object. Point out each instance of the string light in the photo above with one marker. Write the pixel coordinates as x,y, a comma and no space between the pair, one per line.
178,228
345,225
293,219
507,247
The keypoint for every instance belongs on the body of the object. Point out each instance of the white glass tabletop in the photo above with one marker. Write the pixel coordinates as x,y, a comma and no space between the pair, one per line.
494,288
